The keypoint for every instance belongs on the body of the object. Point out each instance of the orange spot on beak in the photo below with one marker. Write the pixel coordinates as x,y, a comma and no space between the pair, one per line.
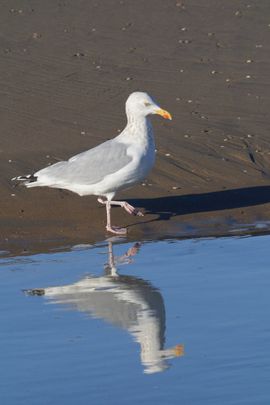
165,114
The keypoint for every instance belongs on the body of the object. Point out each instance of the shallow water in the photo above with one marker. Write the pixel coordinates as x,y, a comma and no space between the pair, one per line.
171,322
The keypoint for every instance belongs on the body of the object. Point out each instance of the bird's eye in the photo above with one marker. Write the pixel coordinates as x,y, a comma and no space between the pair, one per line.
146,104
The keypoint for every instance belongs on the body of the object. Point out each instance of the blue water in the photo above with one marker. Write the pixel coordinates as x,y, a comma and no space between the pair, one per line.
171,322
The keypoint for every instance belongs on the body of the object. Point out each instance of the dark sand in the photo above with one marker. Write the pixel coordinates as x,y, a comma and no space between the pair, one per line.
66,70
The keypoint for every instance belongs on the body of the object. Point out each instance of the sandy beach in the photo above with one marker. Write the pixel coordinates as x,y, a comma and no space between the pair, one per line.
66,70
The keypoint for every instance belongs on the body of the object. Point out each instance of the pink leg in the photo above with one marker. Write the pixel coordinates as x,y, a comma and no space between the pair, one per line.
114,229
129,208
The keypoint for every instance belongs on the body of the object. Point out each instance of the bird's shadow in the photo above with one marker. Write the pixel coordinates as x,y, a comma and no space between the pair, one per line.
172,206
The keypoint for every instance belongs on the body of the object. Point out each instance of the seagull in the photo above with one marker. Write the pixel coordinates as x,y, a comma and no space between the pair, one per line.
114,165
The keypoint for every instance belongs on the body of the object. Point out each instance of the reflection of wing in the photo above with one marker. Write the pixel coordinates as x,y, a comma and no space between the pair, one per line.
118,300
124,301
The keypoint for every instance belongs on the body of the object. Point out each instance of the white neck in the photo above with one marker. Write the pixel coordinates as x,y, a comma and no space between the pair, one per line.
139,124
138,129
138,118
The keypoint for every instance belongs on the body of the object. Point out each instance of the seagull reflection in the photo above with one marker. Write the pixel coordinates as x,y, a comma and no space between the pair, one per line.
124,301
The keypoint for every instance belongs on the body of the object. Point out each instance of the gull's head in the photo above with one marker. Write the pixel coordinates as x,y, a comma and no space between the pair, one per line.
140,104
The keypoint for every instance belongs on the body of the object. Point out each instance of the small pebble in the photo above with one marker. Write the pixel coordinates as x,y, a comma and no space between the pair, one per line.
12,195
36,35
9,161
249,61
128,78
248,77
189,101
186,136
167,154
180,4
238,13
82,132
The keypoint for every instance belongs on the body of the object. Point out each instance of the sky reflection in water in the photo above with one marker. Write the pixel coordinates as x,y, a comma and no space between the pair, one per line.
95,328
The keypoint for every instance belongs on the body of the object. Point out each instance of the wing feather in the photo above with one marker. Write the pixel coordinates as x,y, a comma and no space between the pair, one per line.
89,167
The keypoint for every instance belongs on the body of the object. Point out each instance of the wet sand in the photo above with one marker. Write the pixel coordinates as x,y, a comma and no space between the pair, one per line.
66,70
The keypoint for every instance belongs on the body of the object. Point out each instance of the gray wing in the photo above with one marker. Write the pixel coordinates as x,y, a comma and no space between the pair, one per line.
91,166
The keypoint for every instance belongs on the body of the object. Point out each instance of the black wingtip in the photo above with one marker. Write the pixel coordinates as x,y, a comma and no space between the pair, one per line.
29,178
34,291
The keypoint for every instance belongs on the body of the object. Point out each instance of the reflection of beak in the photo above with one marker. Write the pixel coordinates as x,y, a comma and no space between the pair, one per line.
165,114
178,350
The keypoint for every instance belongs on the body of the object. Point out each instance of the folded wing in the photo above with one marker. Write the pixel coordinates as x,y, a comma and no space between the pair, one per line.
89,167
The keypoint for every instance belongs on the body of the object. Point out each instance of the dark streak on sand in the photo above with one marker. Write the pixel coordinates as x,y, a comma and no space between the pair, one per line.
66,70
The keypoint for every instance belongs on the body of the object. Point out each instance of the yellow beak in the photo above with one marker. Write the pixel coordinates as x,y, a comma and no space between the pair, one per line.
165,114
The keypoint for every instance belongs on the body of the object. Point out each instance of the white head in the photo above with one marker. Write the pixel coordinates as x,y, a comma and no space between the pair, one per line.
139,105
